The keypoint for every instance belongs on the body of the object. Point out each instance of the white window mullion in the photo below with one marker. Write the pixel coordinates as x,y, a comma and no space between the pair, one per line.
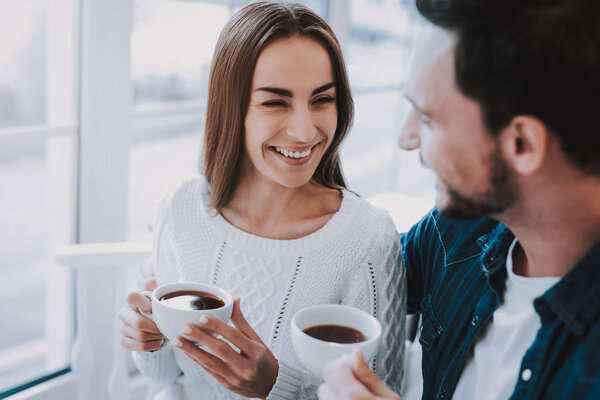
105,123
105,109
62,61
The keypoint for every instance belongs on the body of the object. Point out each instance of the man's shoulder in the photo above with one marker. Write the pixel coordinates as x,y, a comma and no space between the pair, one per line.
436,227
451,239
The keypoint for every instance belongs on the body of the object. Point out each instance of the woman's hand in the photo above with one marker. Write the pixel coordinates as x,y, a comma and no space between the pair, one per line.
137,331
251,372
343,382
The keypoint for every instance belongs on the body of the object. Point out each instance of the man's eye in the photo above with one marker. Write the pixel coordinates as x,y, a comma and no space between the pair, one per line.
424,119
323,100
276,103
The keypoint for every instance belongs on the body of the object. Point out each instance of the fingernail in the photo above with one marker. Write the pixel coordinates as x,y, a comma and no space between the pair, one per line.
178,343
186,330
203,319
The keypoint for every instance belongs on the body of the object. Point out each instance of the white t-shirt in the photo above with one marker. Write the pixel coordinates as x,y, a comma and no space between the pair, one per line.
493,369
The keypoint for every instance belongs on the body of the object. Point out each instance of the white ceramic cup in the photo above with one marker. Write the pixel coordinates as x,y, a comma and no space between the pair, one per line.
170,321
315,354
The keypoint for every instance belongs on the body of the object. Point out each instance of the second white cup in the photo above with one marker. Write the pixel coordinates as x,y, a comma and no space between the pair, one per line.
315,354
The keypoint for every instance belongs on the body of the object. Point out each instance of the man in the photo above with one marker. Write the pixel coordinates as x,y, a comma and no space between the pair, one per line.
505,272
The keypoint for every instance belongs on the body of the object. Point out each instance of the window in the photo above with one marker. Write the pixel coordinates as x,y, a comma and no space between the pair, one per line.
37,167
381,33
171,47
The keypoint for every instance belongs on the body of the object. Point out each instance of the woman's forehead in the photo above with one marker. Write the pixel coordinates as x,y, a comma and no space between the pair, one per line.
298,62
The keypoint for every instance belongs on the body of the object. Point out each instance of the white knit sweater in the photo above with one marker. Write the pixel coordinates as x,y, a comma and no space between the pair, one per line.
353,259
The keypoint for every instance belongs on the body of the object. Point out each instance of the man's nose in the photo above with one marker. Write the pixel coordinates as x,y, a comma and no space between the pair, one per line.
301,126
409,138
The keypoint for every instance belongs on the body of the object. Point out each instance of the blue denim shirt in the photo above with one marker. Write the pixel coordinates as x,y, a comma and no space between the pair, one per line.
456,273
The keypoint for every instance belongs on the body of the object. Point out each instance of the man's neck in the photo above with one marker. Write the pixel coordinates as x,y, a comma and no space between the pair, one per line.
555,230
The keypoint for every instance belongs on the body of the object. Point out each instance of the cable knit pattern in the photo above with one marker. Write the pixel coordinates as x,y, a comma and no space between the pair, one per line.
352,260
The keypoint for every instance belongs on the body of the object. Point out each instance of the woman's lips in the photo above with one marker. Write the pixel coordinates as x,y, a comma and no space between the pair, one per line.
294,155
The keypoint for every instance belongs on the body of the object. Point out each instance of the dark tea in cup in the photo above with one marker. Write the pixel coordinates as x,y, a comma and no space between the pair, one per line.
191,300
336,333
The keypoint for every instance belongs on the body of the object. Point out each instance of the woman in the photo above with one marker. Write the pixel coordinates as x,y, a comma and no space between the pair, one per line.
272,222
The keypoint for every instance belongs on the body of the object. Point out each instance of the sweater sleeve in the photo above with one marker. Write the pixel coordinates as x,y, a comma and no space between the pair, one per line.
379,287
288,384
160,366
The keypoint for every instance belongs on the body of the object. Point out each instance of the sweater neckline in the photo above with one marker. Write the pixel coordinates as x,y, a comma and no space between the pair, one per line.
320,237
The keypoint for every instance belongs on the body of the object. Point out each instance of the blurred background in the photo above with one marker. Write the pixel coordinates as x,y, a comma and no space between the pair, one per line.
54,144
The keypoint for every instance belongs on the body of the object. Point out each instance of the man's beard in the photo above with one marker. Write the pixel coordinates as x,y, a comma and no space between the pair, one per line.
497,198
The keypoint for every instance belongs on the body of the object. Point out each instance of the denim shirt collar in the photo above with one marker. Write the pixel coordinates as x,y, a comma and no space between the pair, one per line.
495,246
575,299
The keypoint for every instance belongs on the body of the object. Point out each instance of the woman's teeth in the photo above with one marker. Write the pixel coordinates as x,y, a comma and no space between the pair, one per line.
293,154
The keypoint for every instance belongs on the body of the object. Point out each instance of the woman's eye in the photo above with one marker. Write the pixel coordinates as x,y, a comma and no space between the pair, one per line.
276,103
323,100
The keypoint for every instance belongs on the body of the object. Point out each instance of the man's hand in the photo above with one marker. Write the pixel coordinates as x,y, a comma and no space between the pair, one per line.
343,382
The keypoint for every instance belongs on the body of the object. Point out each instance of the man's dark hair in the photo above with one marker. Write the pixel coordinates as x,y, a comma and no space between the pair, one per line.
530,57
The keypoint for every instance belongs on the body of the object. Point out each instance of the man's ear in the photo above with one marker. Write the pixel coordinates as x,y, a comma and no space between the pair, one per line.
524,144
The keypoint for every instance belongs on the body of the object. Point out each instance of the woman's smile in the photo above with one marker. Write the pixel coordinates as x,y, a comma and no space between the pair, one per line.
294,155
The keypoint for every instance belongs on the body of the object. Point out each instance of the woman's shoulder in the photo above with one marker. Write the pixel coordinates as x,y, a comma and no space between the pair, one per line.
368,228
366,214
189,193
187,200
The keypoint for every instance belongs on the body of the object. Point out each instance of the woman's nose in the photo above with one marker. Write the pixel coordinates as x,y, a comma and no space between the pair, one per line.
301,126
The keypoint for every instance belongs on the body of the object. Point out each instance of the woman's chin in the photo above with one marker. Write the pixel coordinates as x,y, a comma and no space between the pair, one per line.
292,182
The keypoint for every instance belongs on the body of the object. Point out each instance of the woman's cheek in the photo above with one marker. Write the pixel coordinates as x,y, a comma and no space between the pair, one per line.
328,123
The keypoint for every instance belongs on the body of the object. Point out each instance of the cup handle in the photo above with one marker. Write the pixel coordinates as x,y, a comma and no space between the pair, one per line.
148,315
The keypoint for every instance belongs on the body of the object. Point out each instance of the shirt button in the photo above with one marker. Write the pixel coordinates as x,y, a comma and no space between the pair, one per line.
526,374
475,320
443,394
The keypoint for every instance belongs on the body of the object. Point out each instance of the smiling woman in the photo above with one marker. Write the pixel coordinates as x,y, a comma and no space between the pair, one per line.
272,222
292,117
235,93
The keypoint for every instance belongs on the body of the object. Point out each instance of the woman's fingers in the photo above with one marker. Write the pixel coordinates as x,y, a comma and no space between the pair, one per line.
138,332
137,321
230,333
221,379
250,373
140,336
202,357
138,301
217,346
240,322
132,344
150,284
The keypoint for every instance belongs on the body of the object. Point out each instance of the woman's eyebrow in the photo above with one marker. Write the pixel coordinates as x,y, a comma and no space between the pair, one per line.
287,93
278,91
323,88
